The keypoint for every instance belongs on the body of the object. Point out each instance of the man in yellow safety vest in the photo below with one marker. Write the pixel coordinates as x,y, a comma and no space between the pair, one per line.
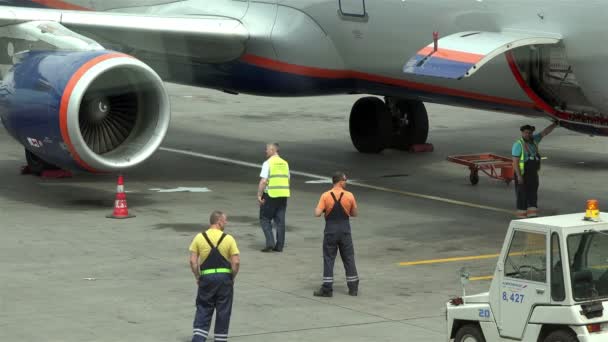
273,192
526,163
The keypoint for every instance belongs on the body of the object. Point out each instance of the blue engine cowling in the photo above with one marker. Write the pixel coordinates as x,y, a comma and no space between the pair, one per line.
97,111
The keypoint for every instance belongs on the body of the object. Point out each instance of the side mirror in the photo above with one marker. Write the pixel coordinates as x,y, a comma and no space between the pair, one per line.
464,276
464,280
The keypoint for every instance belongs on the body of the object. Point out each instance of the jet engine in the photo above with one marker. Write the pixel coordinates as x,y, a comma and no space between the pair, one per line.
96,111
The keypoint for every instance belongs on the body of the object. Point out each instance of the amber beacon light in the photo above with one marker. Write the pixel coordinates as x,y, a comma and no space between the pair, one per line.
593,211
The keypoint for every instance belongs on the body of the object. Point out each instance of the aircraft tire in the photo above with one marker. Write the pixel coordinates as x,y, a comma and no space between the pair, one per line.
370,125
412,127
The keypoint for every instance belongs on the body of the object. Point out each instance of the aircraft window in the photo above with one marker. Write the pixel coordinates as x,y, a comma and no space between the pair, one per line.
355,8
527,257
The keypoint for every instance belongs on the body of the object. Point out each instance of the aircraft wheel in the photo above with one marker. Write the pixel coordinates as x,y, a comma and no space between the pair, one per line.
411,124
370,125
469,333
561,336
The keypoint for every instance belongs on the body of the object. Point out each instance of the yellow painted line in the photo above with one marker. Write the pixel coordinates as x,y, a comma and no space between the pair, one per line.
466,258
481,278
437,261
361,185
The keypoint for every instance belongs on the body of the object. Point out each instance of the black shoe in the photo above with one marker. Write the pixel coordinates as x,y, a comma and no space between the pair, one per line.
323,293
352,292
277,250
267,249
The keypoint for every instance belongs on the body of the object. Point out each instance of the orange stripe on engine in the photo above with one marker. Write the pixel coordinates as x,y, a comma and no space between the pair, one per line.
453,55
65,100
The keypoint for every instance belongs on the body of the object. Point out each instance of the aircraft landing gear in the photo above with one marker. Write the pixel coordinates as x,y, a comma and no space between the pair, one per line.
370,125
410,123
375,124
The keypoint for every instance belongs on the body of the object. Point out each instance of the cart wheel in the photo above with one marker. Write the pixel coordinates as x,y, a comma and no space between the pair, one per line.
469,333
474,178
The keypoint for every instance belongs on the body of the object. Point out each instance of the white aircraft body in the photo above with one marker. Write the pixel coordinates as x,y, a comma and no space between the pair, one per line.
82,81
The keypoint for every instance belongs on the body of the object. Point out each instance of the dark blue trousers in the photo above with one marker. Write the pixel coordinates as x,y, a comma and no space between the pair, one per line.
334,240
215,292
273,209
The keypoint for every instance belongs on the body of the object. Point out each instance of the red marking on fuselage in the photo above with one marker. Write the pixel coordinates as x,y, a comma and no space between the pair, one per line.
58,4
65,100
544,106
348,74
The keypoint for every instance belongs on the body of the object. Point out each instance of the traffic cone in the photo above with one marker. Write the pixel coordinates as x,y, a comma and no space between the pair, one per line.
121,210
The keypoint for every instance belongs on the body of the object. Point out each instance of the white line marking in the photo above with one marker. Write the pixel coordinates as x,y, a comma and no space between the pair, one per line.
181,189
361,185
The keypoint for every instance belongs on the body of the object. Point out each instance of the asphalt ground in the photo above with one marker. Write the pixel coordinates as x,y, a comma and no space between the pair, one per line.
68,273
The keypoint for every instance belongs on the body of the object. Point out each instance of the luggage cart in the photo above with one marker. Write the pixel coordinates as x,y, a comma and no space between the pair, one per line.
494,166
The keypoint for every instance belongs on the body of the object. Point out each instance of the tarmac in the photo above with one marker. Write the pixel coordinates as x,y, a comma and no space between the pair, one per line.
71,274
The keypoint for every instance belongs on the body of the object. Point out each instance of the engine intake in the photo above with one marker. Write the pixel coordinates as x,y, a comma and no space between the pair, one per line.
98,111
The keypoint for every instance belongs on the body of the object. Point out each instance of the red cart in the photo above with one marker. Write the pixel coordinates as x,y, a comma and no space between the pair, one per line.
494,166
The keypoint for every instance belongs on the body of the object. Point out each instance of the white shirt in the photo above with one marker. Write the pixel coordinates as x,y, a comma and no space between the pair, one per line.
265,169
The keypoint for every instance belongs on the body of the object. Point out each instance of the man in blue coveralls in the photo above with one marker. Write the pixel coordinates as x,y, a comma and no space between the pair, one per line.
214,261
526,164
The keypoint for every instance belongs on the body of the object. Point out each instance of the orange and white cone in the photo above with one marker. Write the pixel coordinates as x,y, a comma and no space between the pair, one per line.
121,210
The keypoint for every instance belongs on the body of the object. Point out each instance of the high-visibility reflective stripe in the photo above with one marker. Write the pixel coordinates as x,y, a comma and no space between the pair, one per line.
278,187
216,270
278,176
522,156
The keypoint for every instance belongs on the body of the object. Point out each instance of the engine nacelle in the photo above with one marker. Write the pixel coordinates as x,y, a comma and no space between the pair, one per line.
98,111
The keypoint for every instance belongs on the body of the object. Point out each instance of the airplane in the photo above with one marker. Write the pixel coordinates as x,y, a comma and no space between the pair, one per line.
82,80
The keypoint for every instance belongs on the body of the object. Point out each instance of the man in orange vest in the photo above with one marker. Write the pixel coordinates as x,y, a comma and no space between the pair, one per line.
526,163
338,205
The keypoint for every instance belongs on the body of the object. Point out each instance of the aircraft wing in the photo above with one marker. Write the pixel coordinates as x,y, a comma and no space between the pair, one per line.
462,54
204,39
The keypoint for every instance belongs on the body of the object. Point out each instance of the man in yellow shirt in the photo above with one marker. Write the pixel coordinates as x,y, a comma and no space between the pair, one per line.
214,261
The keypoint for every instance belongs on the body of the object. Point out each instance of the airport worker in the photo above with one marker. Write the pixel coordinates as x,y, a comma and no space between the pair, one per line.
214,260
273,192
338,205
526,164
